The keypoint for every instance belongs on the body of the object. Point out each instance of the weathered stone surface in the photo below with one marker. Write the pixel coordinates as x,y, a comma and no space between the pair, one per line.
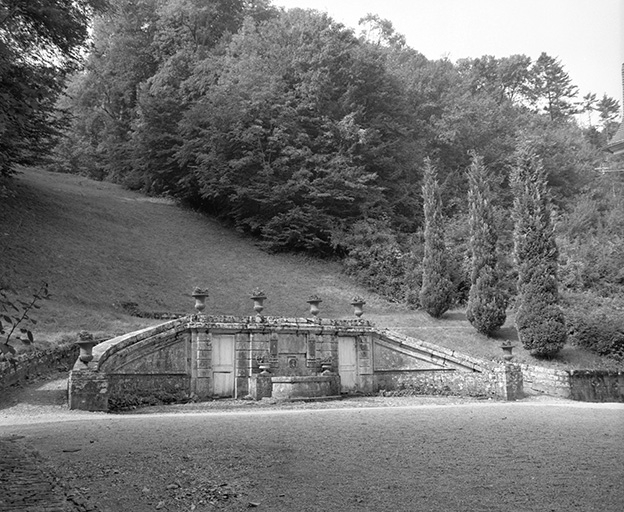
260,386
88,389
285,387
597,386
30,364
437,382
220,356
549,381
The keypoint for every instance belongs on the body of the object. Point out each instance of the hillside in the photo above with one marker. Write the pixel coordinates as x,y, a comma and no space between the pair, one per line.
99,246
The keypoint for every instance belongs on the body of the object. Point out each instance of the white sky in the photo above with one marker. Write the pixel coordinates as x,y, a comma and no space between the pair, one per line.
586,35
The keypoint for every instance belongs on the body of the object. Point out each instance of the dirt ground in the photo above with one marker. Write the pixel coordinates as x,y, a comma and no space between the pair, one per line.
366,453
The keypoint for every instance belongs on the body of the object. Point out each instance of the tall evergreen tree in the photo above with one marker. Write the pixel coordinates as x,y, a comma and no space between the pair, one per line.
436,294
539,320
487,303
608,109
552,88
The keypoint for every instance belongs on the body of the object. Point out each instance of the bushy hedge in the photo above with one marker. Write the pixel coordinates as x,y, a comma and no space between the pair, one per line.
541,326
597,326
376,258
487,304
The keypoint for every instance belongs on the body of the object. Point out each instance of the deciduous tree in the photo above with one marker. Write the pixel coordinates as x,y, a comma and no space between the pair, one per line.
40,42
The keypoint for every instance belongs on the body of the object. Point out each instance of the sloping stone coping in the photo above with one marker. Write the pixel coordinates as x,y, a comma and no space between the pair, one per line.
436,354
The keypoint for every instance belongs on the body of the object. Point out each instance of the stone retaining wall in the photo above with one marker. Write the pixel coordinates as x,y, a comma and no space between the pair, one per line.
547,381
31,364
597,386
502,382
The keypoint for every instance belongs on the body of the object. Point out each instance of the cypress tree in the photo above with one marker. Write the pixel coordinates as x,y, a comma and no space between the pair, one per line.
539,320
487,303
436,293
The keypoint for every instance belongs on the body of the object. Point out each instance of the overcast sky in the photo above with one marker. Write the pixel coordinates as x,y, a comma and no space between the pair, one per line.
586,35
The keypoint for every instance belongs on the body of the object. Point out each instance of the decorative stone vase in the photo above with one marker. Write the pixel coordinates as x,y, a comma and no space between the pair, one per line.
314,302
258,298
326,367
507,348
200,295
86,350
358,304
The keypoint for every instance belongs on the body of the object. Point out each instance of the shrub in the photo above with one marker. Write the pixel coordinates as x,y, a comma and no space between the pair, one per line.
541,326
377,260
597,326
15,319
487,304
456,238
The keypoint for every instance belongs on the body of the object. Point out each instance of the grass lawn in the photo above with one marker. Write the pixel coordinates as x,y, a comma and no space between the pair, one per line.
99,246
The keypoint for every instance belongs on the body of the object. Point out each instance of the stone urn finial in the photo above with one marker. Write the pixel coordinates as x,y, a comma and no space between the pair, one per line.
200,295
258,298
264,364
326,365
358,303
86,344
507,349
314,302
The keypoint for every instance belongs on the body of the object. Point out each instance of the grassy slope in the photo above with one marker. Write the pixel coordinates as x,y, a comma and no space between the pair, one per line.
97,244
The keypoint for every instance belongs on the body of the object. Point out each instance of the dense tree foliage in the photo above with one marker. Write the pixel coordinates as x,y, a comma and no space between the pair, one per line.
539,319
311,138
552,88
40,42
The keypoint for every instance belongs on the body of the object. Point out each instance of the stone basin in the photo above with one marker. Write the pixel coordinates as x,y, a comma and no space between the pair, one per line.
305,386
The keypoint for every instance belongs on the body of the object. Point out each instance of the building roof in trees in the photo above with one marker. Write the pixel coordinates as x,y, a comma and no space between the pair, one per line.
616,144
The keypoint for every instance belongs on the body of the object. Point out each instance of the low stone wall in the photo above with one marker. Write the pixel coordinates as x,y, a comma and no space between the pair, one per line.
31,364
502,382
582,385
435,382
597,386
546,381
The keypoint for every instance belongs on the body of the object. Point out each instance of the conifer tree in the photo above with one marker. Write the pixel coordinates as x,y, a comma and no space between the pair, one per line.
539,320
487,303
436,293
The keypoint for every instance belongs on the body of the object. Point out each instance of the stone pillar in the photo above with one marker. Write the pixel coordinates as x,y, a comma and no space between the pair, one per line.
244,363
260,386
88,390
365,363
201,367
509,381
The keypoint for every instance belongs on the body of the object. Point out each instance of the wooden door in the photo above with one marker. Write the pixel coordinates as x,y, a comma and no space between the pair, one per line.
347,364
223,366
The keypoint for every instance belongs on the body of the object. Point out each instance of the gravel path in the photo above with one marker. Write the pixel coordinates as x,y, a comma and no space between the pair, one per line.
368,453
